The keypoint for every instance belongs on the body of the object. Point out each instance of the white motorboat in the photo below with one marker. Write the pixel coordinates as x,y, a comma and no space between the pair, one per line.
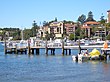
82,56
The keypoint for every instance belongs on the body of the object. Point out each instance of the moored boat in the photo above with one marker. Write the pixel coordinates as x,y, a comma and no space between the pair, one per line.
93,55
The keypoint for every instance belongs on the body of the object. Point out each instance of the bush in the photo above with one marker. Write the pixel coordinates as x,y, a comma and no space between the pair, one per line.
108,37
71,37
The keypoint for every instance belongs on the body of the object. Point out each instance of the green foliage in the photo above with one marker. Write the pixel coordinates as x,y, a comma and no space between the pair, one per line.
48,36
82,18
108,25
108,37
11,29
11,32
34,29
102,21
71,37
45,23
55,19
78,31
90,17
65,22
27,33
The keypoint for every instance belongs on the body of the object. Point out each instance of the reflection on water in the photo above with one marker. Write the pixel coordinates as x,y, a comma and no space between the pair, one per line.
41,68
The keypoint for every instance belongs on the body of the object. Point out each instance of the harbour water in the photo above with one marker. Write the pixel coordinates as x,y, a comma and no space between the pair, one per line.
58,68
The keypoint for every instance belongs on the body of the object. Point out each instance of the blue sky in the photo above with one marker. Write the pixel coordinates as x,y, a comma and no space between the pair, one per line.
21,13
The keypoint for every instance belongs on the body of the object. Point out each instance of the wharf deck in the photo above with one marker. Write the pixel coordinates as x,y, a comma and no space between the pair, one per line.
36,49
56,47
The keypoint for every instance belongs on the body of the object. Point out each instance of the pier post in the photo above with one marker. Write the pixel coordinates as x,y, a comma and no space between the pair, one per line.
51,51
25,51
54,51
16,51
62,48
46,48
37,51
65,51
69,51
79,47
29,50
5,48
32,51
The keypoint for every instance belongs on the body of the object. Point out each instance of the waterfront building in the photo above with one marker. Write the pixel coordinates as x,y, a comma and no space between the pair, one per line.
100,34
87,26
70,28
44,30
57,28
108,18
40,32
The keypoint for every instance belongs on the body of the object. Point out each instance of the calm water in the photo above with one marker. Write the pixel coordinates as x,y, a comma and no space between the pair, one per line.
24,68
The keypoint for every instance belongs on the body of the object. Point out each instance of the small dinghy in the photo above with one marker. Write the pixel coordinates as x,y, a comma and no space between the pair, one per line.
83,56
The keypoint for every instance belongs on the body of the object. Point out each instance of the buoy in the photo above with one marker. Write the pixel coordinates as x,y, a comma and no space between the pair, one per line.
105,45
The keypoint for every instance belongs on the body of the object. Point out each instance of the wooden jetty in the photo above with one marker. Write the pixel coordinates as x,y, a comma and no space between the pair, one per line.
35,49
66,50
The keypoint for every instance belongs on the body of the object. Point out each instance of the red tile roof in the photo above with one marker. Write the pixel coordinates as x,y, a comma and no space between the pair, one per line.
85,27
92,22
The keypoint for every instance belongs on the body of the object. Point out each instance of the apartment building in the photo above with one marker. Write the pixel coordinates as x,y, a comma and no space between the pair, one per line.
108,16
70,28
57,28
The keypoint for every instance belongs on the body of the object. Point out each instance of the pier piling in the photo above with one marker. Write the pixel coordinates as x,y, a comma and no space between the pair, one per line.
69,51
62,48
46,49
37,51
29,49
5,50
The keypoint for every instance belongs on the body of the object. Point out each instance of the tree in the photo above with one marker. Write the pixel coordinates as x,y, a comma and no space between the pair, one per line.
77,32
27,33
82,18
47,35
55,19
107,28
16,35
35,28
108,25
52,35
90,17
45,23
71,37
108,37
102,20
